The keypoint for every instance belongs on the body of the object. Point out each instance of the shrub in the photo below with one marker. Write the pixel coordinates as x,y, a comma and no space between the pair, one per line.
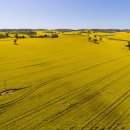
16,36
7,34
95,40
89,39
54,36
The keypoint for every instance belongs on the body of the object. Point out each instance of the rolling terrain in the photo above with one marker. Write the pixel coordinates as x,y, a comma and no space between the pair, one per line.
67,83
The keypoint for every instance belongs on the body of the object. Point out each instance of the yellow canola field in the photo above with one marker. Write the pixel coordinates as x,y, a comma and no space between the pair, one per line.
65,83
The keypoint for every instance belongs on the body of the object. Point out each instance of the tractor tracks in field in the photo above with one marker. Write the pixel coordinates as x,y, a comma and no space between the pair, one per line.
119,121
87,68
52,79
38,64
58,66
72,106
33,65
107,111
49,68
49,62
75,105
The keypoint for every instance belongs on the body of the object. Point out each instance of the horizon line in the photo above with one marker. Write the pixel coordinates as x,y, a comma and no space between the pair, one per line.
65,28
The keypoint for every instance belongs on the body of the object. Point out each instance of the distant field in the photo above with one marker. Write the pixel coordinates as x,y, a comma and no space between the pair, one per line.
67,83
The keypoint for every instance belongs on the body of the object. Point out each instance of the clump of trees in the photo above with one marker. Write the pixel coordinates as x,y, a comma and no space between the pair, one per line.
22,37
54,36
95,39
27,33
17,36
45,36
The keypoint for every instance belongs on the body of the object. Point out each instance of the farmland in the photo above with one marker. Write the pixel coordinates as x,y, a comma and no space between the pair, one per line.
65,83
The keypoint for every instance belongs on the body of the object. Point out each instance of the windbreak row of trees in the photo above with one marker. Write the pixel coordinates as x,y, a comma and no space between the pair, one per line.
18,34
45,36
30,34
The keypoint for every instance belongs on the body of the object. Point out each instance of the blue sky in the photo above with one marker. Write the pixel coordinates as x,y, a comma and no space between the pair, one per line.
75,14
